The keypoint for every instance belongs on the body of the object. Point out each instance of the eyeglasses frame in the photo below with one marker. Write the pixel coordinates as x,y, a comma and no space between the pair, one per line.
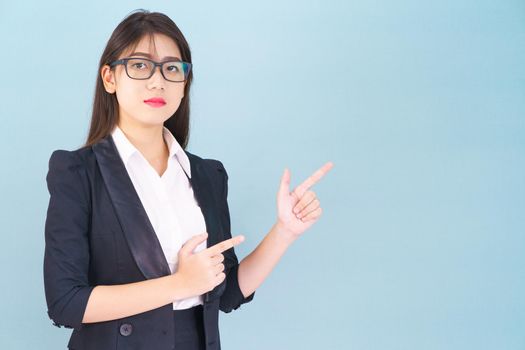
124,61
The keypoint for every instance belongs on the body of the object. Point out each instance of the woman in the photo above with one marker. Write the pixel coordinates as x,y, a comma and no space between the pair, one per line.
139,253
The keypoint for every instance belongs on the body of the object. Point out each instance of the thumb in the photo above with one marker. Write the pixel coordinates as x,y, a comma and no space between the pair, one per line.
284,188
192,243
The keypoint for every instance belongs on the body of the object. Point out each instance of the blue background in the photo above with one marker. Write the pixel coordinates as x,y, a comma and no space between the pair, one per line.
419,104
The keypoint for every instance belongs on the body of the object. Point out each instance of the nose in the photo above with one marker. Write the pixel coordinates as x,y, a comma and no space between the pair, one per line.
156,80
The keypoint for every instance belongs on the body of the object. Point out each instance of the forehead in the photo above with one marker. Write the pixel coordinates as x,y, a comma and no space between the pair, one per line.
156,45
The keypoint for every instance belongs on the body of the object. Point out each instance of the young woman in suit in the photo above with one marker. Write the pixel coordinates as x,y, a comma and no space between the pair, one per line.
139,253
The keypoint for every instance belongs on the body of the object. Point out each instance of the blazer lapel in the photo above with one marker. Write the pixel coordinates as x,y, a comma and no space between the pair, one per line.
138,230
142,240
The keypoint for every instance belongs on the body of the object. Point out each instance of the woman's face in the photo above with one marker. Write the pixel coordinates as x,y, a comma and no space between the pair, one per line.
132,93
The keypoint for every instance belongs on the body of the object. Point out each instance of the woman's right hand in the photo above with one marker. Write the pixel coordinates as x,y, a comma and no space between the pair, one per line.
198,273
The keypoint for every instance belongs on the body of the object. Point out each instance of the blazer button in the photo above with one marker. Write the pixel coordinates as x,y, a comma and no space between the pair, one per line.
126,329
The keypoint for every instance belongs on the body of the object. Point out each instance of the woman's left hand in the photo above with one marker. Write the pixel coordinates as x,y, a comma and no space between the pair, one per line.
299,209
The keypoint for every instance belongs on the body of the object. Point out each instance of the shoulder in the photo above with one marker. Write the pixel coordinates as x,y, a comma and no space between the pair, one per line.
61,159
67,176
209,164
70,166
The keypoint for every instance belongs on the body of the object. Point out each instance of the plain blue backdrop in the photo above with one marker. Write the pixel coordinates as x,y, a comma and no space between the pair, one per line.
419,104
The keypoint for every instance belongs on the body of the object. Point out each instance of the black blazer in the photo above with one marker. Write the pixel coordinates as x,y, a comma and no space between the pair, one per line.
98,233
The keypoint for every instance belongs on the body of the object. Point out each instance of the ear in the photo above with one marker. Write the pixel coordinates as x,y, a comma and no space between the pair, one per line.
108,78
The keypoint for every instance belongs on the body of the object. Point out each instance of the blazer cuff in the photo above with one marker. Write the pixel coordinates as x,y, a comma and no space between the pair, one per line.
72,314
233,298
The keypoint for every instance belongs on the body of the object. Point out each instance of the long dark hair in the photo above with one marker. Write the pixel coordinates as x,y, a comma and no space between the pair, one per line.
126,35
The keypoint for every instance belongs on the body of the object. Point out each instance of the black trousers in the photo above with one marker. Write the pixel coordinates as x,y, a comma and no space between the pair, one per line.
189,329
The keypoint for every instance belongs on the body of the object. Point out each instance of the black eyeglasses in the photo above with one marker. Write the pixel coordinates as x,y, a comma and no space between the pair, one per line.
143,68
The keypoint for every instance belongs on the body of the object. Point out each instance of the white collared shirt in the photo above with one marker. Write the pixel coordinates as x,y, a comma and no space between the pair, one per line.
168,200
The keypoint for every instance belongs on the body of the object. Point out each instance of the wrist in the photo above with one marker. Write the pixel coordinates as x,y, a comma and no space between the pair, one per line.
177,286
283,233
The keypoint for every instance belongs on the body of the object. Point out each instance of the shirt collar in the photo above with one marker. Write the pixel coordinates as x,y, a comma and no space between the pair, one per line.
126,149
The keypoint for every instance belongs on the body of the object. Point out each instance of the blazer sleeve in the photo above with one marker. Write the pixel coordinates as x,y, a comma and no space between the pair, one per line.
232,298
66,256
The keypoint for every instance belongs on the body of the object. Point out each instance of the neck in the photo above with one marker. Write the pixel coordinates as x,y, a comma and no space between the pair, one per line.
148,139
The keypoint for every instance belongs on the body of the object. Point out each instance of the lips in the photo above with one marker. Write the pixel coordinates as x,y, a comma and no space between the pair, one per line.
155,102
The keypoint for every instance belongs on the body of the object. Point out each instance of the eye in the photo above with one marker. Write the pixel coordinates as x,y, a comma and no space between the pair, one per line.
138,65
172,68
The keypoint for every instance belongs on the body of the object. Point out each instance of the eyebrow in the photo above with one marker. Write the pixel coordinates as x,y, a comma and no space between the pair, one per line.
149,56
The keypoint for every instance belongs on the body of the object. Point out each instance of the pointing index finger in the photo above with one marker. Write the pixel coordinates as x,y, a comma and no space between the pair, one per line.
313,179
225,245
